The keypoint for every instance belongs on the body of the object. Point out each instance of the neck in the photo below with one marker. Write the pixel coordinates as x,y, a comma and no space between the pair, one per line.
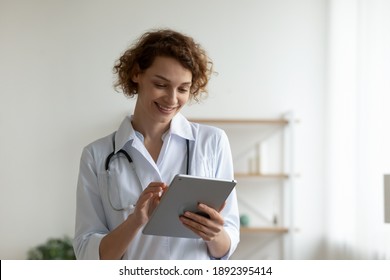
149,129
152,136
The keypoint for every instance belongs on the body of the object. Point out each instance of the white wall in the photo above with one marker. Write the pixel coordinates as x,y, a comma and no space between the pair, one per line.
57,96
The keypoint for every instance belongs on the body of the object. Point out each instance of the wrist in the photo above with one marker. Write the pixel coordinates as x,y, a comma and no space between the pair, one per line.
220,245
134,222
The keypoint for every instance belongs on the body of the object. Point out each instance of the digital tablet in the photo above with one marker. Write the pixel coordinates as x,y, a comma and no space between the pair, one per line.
184,194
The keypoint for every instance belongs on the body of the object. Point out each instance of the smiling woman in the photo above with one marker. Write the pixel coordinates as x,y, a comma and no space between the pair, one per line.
123,176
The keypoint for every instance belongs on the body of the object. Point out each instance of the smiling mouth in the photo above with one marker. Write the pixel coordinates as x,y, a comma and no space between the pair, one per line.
166,110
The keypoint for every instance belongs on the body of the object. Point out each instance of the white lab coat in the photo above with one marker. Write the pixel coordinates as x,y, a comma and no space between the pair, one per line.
210,156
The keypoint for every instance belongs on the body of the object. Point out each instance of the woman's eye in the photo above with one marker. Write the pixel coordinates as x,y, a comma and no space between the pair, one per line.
183,90
160,85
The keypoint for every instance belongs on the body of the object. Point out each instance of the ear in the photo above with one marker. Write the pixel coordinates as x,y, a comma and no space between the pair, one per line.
136,76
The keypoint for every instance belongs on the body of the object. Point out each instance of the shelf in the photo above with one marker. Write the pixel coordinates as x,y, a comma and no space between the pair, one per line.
243,121
264,230
262,176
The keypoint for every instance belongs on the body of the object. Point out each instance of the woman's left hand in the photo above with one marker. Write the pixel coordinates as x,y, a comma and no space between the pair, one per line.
208,228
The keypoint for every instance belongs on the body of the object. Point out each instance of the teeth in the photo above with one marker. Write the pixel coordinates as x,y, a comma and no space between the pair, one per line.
165,108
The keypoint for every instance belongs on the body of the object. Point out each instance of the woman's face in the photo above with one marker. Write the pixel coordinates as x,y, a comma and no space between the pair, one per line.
163,89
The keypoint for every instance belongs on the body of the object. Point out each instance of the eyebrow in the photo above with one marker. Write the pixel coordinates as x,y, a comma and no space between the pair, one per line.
167,80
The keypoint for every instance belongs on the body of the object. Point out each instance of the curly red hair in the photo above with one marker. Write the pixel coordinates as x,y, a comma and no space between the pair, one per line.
169,43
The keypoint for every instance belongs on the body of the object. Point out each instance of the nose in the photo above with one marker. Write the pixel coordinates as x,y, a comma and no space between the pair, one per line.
171,96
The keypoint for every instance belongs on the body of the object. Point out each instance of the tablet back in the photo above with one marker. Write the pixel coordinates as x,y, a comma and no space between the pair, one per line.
184,194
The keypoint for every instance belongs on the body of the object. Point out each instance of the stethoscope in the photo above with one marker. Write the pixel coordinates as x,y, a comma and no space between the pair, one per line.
130,160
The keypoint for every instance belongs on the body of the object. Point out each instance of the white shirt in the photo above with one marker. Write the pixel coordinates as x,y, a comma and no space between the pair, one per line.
210,156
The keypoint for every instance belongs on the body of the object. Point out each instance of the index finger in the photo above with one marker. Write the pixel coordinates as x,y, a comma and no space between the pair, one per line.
155,187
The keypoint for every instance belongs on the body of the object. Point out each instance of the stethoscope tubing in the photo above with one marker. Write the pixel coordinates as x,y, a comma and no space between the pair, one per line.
130,160
121,151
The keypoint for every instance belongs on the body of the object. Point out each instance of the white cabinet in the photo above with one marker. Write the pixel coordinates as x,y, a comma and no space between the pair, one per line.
262,152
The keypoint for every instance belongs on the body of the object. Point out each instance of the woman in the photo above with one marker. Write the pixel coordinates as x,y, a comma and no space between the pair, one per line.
116,194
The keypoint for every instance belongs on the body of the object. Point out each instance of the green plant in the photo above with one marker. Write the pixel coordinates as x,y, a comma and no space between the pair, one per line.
53,249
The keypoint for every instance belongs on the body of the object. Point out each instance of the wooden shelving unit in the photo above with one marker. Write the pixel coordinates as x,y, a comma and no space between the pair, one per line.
255,134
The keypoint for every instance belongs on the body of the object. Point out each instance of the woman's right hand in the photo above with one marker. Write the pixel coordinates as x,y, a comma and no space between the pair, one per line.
148,201
115,244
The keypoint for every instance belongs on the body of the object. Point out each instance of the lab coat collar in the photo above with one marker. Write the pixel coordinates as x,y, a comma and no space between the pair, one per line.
180,126
124,134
